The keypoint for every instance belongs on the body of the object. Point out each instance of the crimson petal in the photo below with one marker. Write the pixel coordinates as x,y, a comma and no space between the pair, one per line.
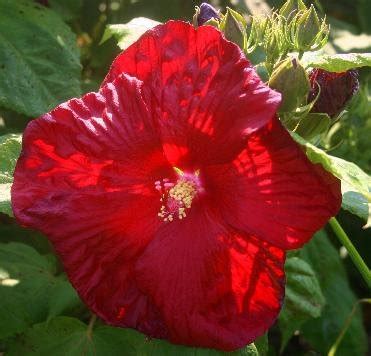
88,147
214,286
78,180
273,191
206,96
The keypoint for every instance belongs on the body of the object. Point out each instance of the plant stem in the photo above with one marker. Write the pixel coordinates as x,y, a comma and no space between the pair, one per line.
354,255
89,330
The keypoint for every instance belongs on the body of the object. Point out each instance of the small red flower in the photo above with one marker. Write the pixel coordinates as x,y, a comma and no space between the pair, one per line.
172,194
336,90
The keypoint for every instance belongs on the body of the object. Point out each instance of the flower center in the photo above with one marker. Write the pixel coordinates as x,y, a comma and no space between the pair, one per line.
177,198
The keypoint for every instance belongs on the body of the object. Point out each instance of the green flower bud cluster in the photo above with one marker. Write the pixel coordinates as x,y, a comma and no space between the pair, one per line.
275,43
293,28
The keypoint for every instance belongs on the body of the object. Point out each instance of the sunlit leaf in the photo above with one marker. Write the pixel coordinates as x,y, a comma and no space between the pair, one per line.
128,33
338,62
10,147
355,183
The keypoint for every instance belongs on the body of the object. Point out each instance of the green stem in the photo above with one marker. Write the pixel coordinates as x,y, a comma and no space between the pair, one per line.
92,321
354,255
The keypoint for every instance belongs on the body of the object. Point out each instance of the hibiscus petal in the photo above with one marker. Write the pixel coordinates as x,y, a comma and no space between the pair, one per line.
103,142
215,287
205,94
273,191
86,179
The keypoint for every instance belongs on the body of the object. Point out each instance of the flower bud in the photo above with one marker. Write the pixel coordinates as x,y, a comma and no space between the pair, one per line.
291,7
310,33
258,29
272,51
205,13
291,80
234,27
336,89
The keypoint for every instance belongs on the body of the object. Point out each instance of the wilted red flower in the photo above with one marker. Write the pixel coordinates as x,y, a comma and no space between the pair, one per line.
336,90
172,194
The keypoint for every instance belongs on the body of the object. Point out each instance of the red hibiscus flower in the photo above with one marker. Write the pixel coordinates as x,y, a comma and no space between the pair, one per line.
172,194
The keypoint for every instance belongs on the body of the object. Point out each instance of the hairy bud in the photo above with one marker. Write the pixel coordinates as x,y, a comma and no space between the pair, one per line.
311,33
291,7
291,80
234,27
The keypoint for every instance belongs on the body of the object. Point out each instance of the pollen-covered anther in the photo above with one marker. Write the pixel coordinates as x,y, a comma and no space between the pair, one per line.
177,198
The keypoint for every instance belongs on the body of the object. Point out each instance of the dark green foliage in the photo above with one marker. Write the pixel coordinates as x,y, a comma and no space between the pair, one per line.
39,60
323,331
31,291
303,300
69,336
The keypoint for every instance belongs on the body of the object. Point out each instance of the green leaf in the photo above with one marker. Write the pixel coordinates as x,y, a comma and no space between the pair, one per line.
67,9
262,345
338,62
355,183
323,331
39,59
310,126
313,125
10,147
356,202
69,336
30,291
128,33
13,308
62,298
303,297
